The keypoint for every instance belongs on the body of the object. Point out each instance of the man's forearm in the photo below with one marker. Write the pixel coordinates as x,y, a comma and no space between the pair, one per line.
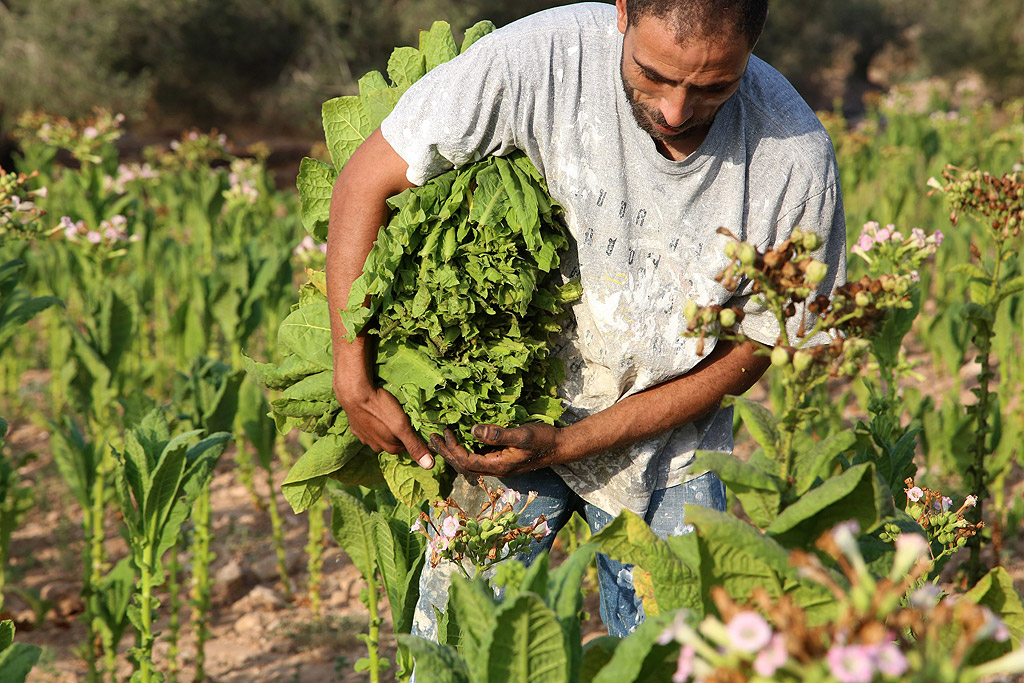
729,369
358,209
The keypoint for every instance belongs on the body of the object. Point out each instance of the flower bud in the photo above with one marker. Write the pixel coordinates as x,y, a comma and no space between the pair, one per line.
727,317
863,299
747,254
802,360
811,241
815,272
690,309
730,249
780,357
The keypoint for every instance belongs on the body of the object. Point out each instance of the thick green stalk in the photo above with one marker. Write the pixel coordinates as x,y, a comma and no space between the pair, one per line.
146,638
201,576
315,553
373,637
278,534
174,624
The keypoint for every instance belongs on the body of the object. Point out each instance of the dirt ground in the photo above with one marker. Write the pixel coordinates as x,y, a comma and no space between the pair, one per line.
258,633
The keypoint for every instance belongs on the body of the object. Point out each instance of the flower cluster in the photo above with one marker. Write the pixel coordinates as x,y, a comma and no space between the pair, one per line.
887,250
19,214
996,200
307,250
483,540
243,179
785,278
944,526
86,139
111,233
128,174
877,634
193,150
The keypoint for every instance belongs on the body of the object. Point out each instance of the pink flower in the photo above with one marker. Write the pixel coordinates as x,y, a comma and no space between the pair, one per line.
416,526
90,133
865,242
917,234
748,631
541,529
440,543
871,227
882,235
93,237
914,494
897,236
684,668
772,657
70,229
450,526
938,238
851,664
509,497
890,660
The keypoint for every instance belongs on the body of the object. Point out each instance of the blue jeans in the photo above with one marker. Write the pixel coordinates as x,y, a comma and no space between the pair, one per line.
621,610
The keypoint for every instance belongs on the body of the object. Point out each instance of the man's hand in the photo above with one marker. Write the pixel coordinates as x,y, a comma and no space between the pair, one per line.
376,418
521,449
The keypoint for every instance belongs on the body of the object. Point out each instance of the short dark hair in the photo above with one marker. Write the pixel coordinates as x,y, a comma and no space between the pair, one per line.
704,18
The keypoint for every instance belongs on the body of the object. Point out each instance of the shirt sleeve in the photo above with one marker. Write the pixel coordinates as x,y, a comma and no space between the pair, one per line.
459,112
823,213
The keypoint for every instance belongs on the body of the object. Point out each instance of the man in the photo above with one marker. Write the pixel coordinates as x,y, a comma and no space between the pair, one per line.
653,126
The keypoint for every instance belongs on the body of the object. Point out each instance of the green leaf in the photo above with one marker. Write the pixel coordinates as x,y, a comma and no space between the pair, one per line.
761,424
819,460
315,183
528,644
628,539
435,663
6,634
596,655
327,455
406,66
996,591
17,661
566,599
639,657
303,494
474,608
437,44
257,425
757,490
353,530
411,484
476,32
271,376
855,494
346,126
307,333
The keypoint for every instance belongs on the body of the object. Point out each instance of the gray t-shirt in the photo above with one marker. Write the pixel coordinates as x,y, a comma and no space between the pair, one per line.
644,227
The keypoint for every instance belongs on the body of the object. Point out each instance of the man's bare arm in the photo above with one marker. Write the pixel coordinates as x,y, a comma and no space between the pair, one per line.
730,369
358,210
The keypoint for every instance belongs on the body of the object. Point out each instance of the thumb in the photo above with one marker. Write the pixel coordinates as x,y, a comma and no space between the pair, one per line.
415,446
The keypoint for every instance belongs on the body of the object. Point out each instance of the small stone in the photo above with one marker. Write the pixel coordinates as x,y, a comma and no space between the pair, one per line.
231,582
249,625
265,598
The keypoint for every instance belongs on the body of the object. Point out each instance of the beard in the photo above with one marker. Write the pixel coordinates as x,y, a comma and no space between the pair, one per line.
647,117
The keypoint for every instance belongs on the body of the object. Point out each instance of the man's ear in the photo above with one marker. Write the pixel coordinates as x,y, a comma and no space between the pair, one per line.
621,20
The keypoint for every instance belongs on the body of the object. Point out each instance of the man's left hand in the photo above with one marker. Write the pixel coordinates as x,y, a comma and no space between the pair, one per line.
519,449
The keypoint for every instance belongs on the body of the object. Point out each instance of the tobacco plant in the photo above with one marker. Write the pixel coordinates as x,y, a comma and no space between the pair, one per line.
159,479
16,659
997,202
16,500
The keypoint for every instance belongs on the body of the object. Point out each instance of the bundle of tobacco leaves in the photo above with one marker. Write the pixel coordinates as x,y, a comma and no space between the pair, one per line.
464,297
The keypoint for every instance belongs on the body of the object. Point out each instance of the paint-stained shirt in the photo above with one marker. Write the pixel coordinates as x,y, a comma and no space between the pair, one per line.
643,226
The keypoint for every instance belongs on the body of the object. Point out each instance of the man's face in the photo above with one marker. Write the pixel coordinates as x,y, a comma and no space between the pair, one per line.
676,89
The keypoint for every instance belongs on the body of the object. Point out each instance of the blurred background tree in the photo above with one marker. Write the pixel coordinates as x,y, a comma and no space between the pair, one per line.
258,69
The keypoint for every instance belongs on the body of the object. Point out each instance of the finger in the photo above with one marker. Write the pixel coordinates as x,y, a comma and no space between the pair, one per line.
493,435
410,441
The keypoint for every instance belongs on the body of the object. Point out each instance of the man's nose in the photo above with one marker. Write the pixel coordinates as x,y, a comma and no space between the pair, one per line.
677,108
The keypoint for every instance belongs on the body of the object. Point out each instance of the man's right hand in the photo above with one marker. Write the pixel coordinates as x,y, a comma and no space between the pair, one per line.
376,418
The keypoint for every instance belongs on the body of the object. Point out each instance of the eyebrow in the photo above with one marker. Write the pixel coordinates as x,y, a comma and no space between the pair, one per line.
660,78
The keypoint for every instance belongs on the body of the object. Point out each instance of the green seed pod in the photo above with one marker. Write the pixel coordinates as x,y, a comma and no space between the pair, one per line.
690,309
747,254
811,241
802,360
816,271
730,249
863,299
780,357
486,524
727,317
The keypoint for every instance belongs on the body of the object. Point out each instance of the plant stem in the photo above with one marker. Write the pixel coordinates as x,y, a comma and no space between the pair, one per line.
373,637
146,611
278,533
201,576
174,624
315,552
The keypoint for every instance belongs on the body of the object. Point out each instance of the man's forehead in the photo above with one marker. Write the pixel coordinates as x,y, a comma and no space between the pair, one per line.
654,46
